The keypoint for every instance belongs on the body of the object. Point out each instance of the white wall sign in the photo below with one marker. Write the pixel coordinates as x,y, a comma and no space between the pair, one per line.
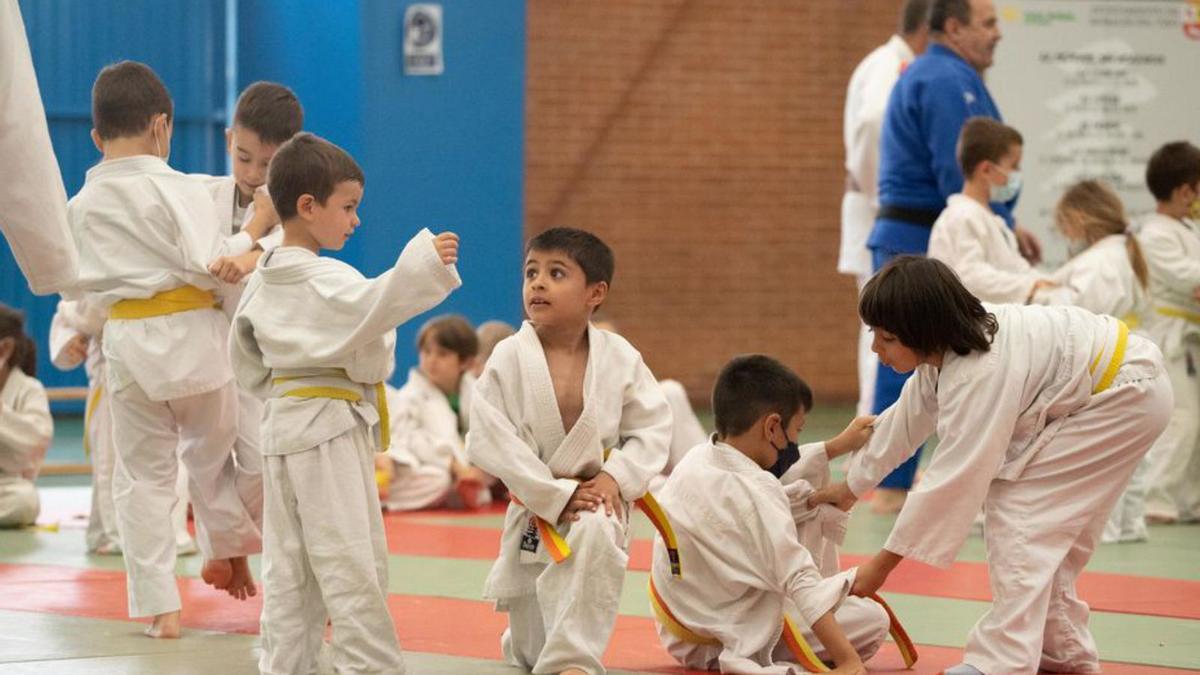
1094,86
423,40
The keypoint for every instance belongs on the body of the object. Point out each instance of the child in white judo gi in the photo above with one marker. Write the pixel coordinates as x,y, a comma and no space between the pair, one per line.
1106,275
145,238
968,236
750,592
1043,413
266,115
426,465
77,337
26,427
572,421
316,339
1170,238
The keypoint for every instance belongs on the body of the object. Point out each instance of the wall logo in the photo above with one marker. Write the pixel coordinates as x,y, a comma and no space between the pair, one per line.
1010,14
423,40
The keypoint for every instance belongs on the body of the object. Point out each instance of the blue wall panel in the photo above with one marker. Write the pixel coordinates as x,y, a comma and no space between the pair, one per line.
182,40
443,152
447,152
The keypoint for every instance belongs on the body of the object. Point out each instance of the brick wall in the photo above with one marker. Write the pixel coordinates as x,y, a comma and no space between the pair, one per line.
702,140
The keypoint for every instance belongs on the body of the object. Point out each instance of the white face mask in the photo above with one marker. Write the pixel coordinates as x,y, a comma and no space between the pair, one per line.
1005,193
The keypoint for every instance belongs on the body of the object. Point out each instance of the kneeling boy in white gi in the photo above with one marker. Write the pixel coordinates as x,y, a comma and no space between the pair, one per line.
750,592
316,338
571,420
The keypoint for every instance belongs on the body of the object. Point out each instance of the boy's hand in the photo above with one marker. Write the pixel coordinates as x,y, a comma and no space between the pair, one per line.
871,574
605,486
76,349
446,244
584,499
232,269
264,217
856,435
838,494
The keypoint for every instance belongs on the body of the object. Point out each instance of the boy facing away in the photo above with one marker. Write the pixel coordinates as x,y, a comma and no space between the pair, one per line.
574,424
316,339
145,239
760,568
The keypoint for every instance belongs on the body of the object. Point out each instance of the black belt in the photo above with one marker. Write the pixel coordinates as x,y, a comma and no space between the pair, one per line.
923,217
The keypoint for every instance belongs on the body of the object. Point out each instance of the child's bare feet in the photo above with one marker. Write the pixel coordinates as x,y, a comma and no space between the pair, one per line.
241,583
573,671
217,573
165,626
886,500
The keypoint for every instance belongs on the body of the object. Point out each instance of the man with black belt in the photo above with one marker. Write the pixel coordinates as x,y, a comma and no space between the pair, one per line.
918,166
866,101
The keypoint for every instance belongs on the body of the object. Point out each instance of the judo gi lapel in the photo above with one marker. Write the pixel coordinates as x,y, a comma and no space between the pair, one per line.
575,454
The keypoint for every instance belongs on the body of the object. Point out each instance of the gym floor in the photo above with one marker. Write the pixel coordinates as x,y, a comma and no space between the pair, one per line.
62,611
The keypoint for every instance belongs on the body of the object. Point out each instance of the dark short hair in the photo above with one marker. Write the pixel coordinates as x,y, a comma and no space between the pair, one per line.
308,165
913,16
586,249
270,110
125,97
943,10
921,301
984,139
1171,166
752,386
450,331
12,325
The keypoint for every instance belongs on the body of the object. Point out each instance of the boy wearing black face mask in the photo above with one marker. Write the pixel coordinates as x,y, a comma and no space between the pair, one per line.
752,598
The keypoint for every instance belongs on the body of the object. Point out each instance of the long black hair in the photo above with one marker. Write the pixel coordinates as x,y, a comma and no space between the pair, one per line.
921,301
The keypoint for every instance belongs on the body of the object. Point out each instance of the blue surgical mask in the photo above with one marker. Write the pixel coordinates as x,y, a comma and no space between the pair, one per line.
789,454
1005,193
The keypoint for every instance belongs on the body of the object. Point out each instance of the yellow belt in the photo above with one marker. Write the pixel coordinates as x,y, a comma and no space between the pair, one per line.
343,394
1114,362
792,636
1190,317
559,550
182,299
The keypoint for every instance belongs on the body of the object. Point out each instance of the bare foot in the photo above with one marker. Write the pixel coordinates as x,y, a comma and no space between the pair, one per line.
217,573
241,584
887,500
1160,519
165,626
573,671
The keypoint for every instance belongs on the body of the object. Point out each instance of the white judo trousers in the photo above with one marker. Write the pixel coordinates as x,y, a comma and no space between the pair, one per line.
304,540
151,439
1042,527
567,623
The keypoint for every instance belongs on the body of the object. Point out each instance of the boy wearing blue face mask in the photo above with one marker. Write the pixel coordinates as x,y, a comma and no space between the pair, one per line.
760,588
969,236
